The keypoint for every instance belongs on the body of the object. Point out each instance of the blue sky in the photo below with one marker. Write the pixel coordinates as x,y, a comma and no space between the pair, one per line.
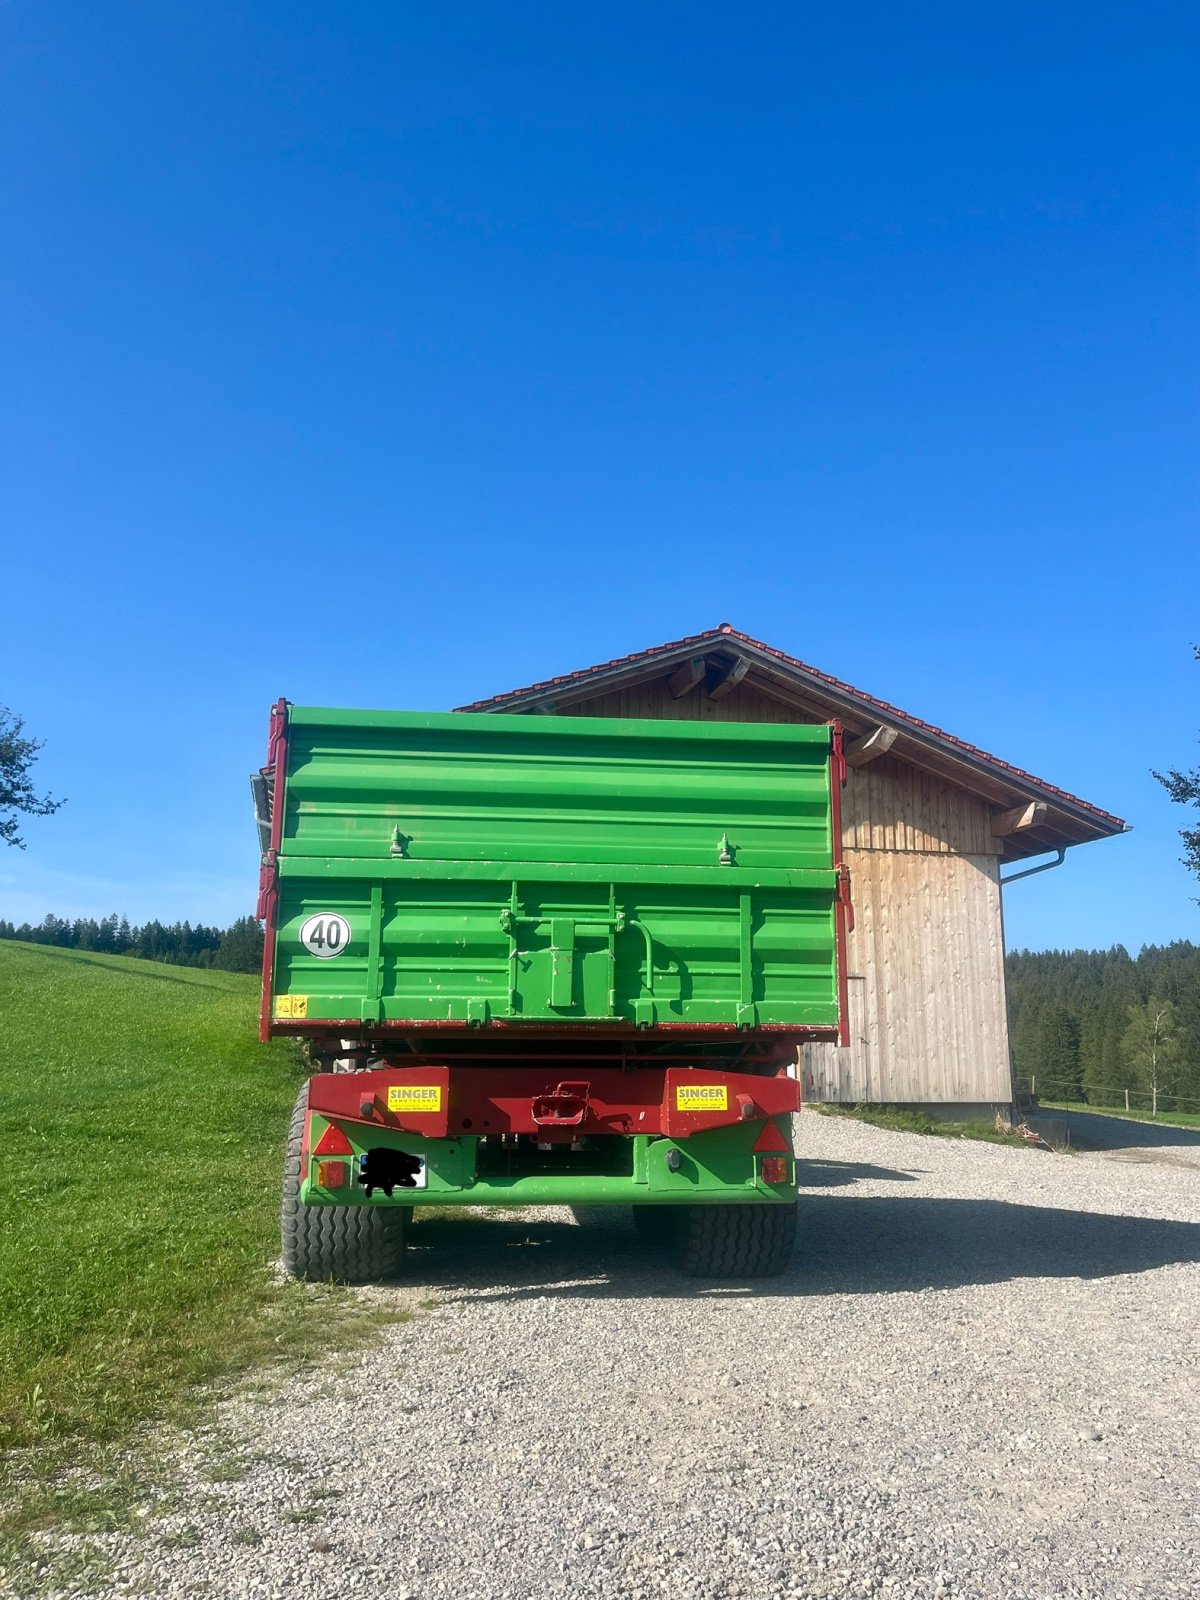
399,355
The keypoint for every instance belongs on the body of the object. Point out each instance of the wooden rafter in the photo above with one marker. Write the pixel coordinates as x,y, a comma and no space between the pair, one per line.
1019,819
870,746
685,678
727,675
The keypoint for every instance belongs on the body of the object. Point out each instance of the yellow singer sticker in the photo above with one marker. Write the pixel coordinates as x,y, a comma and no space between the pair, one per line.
408,1097
702,1097
290,1005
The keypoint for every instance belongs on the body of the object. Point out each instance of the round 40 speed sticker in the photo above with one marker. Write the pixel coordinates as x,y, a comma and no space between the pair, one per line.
325,935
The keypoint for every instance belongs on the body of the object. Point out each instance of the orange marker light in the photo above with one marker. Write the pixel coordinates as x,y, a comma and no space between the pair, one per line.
331,1174
774,1169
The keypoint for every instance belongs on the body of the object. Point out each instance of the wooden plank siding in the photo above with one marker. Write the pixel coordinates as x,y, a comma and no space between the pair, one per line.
890,805
926,959
743,704
927,1002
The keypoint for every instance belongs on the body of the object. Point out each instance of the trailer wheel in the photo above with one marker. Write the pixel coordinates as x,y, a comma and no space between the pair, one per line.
350,1244
750,1241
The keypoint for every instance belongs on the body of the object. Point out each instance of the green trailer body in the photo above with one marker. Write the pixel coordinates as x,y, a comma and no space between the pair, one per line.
554,959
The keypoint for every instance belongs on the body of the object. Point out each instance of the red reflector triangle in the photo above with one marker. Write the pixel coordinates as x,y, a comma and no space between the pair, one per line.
333,1142
771,1139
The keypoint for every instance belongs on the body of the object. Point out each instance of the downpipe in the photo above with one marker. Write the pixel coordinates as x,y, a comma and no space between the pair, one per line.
1046,866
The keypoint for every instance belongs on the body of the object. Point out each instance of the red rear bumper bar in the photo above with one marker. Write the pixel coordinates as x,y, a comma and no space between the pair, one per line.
448,1102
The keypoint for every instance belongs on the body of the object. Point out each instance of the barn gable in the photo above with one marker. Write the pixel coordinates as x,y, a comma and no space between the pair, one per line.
927,821
722,675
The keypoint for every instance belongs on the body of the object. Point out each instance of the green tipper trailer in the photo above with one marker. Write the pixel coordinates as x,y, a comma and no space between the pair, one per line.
548,960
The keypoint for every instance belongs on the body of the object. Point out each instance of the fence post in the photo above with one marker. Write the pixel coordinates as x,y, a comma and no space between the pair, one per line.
1033,1086
1127,1099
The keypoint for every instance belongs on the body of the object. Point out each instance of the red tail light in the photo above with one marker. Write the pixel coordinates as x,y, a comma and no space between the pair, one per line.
774,1169
331,1174
333,1142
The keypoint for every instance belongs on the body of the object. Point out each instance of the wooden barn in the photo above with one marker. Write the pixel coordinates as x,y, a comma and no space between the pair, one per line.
929,822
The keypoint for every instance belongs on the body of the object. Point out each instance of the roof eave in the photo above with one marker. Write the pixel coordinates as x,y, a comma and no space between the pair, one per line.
1069,821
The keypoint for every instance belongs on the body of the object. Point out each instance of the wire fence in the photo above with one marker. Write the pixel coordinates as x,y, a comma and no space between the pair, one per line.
1152,1102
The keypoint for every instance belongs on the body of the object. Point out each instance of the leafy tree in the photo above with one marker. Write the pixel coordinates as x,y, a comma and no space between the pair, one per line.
1152,1047
1184,789
17,755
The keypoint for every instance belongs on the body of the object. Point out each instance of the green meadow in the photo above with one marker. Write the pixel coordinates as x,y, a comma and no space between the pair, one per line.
142,1127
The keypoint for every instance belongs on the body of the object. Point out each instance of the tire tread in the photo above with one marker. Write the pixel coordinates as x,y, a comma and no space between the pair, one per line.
348,1244
751,1241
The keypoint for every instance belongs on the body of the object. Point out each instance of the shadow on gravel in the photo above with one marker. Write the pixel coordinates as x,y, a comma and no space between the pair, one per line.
836,1174
868,1245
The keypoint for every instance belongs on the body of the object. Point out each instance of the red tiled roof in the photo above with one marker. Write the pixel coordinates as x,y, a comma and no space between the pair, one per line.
725,631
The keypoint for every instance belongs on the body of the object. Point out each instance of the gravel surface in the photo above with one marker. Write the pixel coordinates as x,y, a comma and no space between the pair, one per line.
980,1379
1137,1141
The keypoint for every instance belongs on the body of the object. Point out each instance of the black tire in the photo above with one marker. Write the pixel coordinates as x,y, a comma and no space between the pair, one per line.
750,1241
348,1244
655,1225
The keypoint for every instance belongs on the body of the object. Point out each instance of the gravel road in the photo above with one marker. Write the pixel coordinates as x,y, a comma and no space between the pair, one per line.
1139,1141
980,1379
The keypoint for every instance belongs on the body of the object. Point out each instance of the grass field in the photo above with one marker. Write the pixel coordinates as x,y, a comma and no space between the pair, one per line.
142,1127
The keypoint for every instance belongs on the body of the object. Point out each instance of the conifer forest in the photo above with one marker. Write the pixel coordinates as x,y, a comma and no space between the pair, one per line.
237,948
1108,1028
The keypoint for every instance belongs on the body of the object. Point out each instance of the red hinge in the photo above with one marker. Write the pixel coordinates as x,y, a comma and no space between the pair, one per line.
839,753
266,885
278,725
844,899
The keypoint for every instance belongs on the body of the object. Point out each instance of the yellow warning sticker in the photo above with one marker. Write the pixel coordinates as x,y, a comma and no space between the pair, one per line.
290,1005
408,1097
702,1097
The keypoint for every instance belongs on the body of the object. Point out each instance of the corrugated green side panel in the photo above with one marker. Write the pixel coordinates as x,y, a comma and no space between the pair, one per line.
559,869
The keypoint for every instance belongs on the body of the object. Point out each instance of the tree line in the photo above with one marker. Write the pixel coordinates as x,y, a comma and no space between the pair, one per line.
237,948
1095,1025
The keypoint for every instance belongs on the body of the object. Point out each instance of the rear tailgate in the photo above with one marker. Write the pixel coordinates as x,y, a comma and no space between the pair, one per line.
462,870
